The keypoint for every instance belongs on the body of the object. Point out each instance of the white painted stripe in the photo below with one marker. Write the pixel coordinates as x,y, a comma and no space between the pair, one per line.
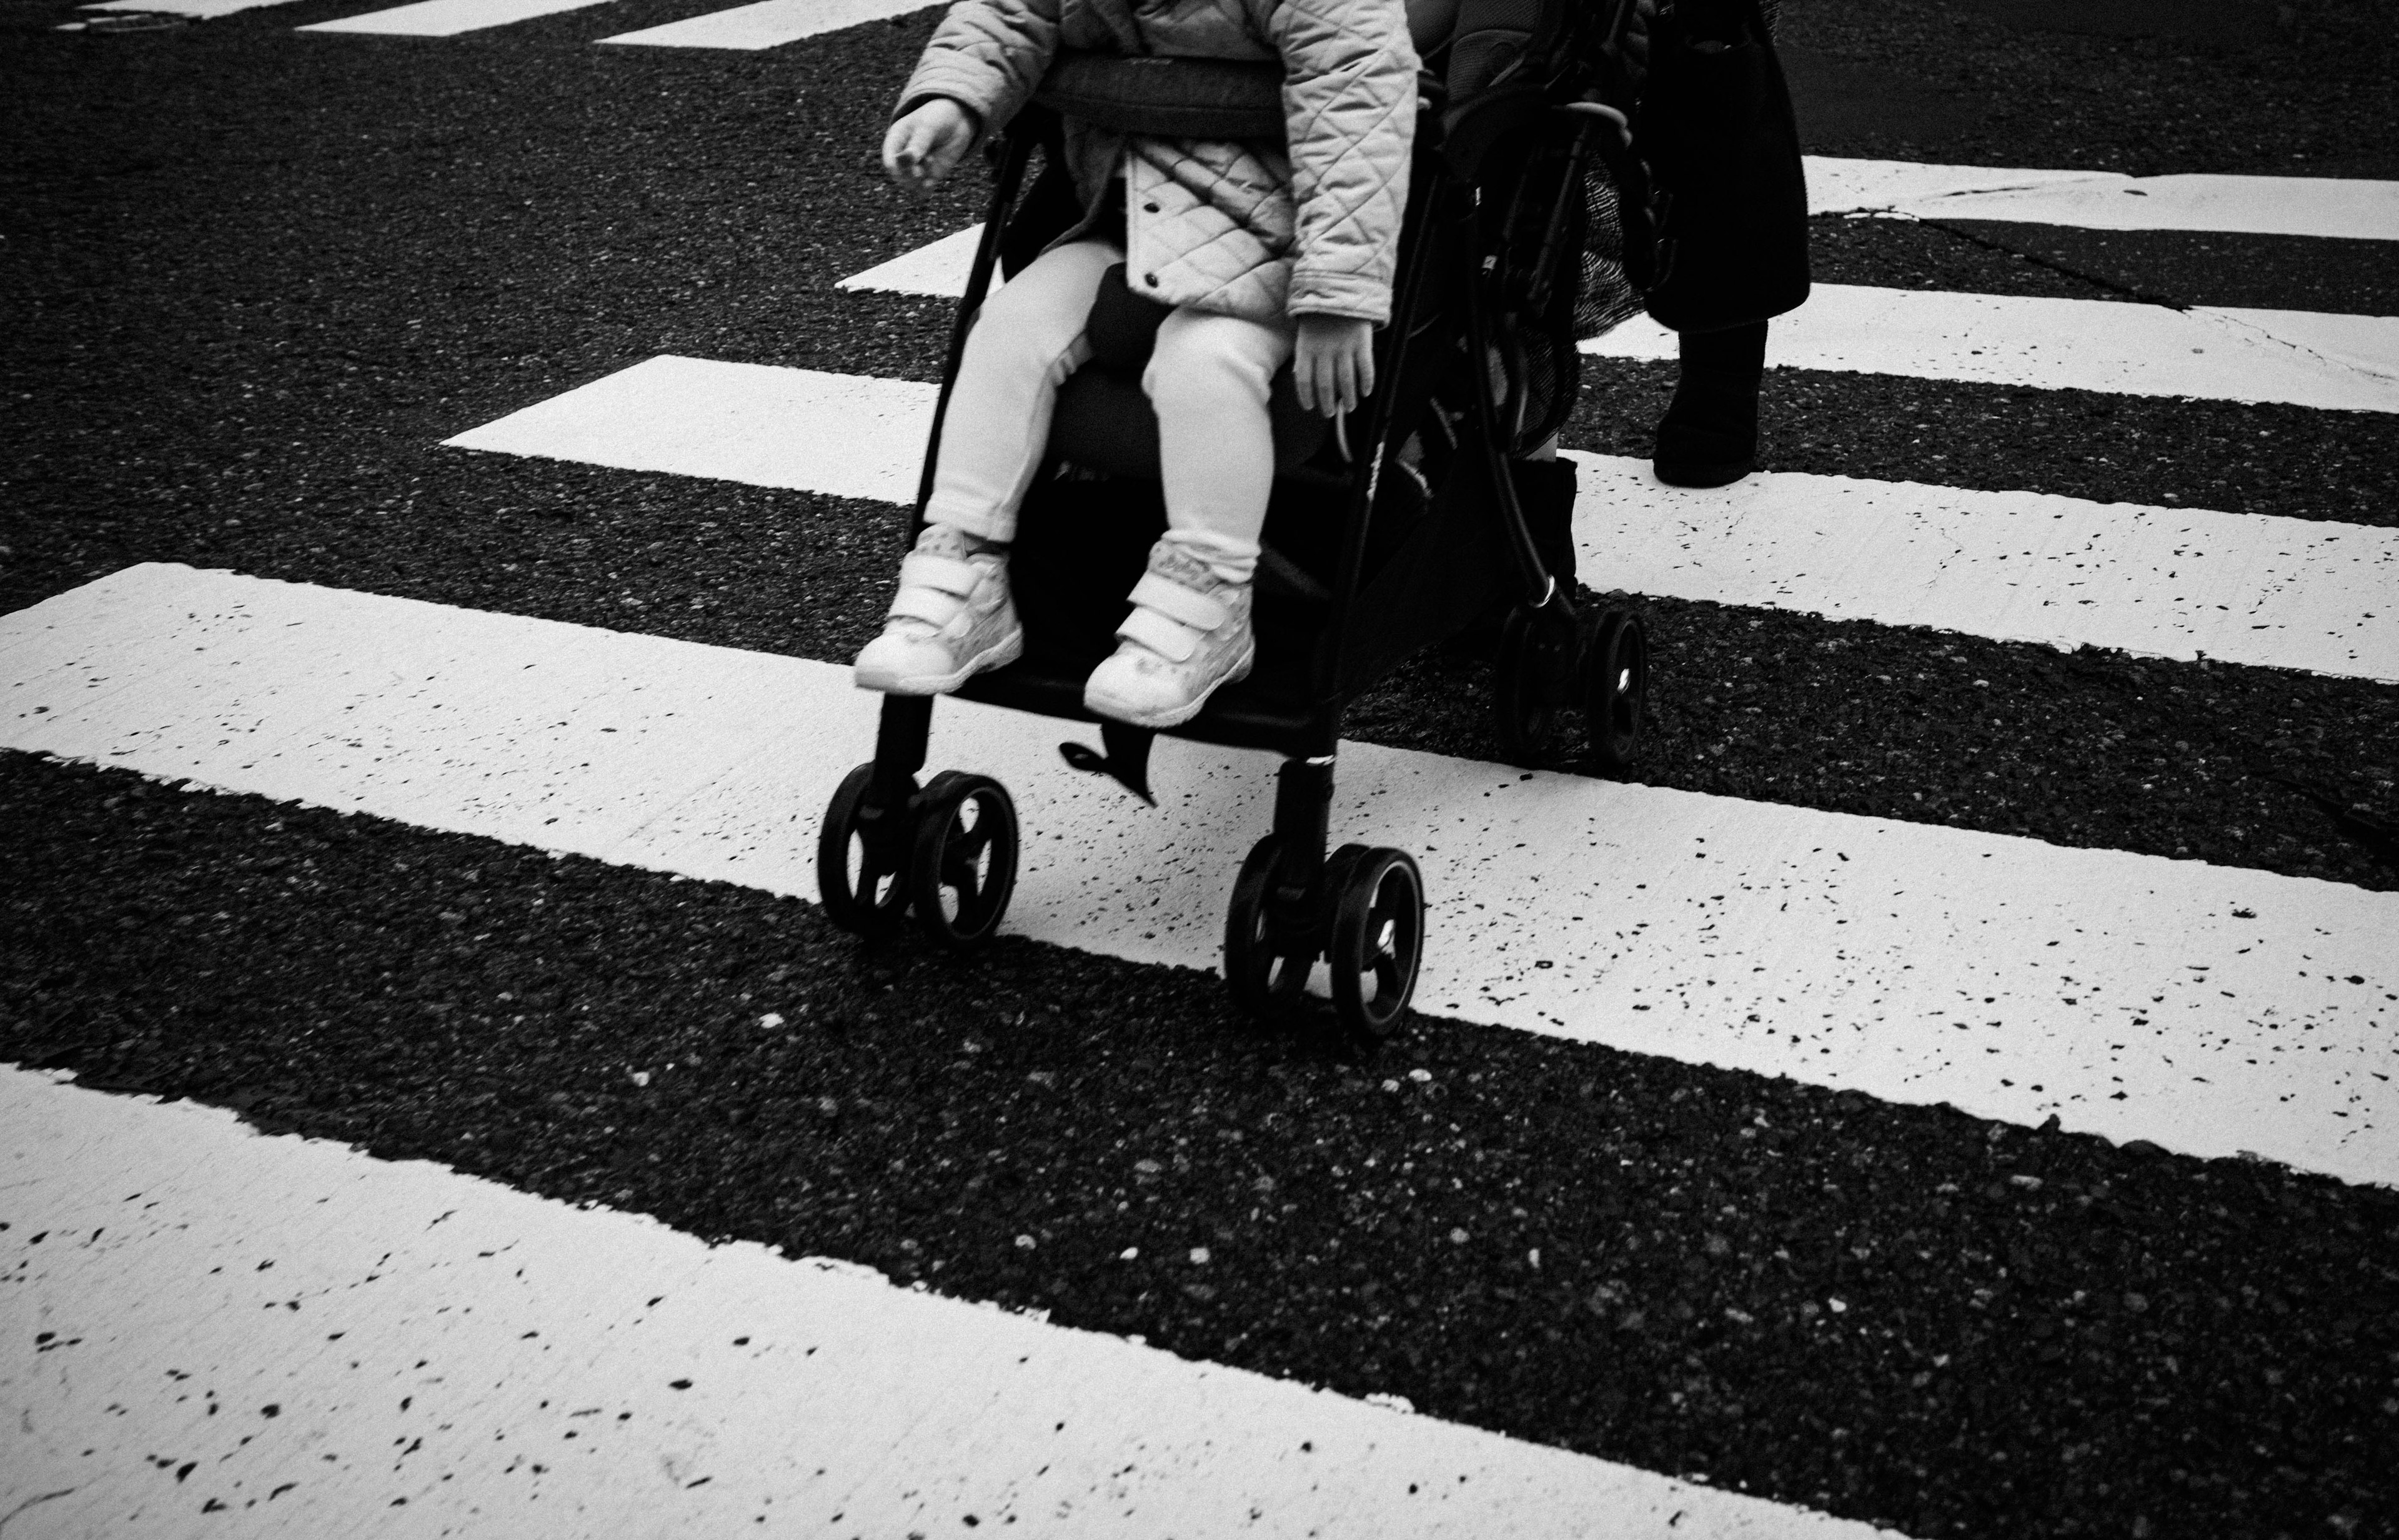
939,269
2206,1009
2284,593
443,1355
768,24
2291,357
448,17
2330,206
2353,210
199,11
2023,566
844,435
2294,356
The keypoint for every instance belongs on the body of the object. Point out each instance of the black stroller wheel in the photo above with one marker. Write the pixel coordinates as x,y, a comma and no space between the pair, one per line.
863,857
1268,979
1524,695
1378,923
962,871
1615,690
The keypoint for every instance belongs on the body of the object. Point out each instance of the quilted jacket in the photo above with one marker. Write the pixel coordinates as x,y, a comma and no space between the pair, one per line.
1253,230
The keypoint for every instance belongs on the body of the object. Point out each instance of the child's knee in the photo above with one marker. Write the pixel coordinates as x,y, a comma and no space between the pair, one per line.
1208,359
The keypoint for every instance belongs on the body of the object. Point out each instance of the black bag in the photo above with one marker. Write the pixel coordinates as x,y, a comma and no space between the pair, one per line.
1718,131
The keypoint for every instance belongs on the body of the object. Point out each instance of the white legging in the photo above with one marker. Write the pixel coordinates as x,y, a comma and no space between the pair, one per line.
1207,379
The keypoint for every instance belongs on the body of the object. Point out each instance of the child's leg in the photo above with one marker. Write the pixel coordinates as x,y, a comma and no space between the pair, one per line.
1208,379
953,617
1190,628
1026,343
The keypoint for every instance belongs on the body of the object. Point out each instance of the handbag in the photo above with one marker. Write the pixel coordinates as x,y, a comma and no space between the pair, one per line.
1718,131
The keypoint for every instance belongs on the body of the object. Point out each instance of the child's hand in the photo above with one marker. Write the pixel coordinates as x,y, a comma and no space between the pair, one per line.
926,145
1333,365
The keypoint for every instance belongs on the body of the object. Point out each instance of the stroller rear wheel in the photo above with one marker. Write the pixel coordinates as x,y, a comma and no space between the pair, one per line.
1615,690
1378,923
1268,976
1531,678
862,857
962,867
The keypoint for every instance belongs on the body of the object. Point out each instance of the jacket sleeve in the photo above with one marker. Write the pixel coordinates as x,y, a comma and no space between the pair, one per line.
988,55
1350,98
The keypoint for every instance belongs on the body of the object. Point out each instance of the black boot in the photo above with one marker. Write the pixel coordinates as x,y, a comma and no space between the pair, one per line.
1709,435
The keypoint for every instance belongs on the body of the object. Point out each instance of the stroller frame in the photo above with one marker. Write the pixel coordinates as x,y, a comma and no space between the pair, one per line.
947,850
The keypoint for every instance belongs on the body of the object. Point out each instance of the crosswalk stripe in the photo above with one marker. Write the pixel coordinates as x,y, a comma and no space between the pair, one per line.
199,11
2322,207
2298,357
448,17
2209,1009
340,1308
768,24
938,268
2327,208
2023,566
2285,594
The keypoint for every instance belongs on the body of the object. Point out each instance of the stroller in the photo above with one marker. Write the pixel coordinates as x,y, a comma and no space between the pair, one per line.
1421,515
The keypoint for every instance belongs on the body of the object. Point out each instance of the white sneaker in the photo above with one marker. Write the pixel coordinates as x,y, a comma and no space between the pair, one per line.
1189,632
952,618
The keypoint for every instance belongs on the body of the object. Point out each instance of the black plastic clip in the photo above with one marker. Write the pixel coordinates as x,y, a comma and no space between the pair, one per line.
1126,758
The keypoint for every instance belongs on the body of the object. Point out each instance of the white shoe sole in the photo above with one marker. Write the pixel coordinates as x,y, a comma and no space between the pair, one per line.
1002,653
1173,716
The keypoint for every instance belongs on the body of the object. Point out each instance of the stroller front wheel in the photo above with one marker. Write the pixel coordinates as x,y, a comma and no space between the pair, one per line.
962,870
1267,974
862,851
1378,925
1525,677
1617,690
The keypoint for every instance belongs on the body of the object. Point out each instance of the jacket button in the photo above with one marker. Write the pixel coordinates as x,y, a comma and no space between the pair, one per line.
1150,279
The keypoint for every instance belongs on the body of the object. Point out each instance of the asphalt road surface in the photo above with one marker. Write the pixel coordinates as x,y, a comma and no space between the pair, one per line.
1948,1087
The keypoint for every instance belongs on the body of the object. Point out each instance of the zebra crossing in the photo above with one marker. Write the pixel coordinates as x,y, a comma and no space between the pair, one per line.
2221,1013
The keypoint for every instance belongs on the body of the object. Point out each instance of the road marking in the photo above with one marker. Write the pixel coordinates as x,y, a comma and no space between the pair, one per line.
2210,1009
939,269
2284,593
768,24
2298,357
842,435
2167,582
199,11
448,17
487,1374
2327,207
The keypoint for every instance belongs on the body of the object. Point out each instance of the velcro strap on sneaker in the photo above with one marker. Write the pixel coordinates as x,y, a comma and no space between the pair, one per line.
1168,639
946,573
929,605
1175,601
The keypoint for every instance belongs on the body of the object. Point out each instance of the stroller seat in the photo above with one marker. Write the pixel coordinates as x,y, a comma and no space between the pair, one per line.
1425,513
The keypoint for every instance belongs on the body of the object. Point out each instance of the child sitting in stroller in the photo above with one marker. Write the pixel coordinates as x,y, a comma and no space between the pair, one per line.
1267,254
